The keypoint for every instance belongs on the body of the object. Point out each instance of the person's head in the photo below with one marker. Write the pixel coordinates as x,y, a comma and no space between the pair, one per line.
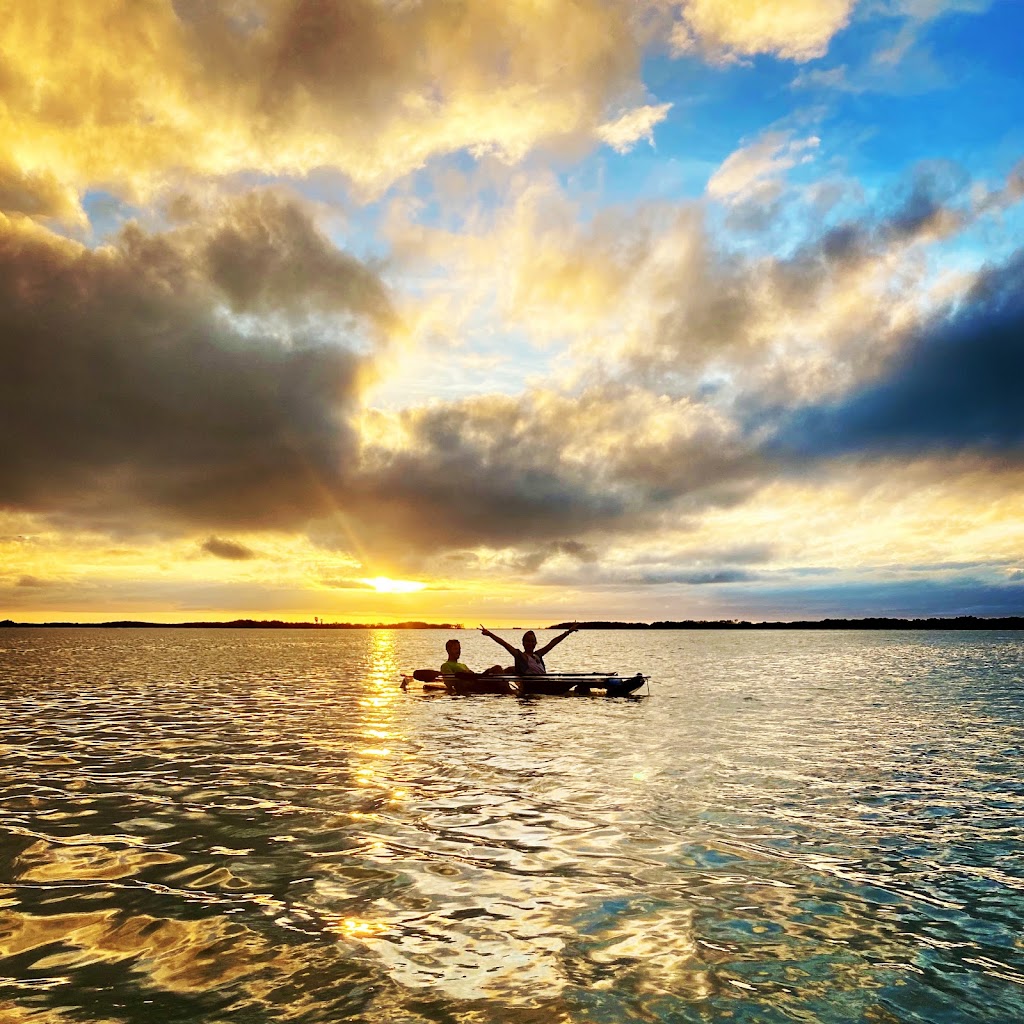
454,649
529,640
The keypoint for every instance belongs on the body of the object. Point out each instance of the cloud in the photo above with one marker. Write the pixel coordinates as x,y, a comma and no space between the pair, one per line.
559,550
925,208
130,96
798,30
659,298
535,469
37,193
688,357
133,395
31,581
685,314
899,63
838,78
677,553
626,131
846,598
698,577
924,10
750,171
954,386
268,257
228,549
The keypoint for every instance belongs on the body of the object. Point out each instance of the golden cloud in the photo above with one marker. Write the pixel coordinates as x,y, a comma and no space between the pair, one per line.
626,131
650,295
653,295
102,93
855,516
37,193
797,30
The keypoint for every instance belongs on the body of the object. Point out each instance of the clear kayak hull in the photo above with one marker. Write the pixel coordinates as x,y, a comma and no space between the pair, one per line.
610,684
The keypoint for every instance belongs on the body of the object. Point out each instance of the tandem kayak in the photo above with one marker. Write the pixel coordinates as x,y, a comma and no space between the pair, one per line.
609,684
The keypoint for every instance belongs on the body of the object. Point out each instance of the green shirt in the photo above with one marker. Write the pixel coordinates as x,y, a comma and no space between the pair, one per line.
449,668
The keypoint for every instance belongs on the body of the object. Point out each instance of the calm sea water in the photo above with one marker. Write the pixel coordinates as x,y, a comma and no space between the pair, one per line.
257,826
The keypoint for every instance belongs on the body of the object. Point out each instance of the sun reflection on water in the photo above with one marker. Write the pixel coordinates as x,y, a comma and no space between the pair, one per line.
282,834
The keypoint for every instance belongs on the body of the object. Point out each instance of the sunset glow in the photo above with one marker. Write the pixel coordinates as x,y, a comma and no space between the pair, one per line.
385,586
589,310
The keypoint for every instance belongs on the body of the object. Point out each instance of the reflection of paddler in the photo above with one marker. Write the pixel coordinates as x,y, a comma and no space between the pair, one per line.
529,661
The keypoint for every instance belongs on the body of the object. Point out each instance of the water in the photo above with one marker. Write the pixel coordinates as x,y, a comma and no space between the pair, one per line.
259,826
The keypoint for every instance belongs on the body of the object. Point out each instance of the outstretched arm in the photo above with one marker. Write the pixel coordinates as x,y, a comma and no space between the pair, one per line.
498,640
558,639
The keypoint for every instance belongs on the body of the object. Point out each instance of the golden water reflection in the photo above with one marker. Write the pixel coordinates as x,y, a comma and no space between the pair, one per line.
283,834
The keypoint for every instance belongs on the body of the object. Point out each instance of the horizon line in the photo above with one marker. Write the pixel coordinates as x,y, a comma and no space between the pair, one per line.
866,622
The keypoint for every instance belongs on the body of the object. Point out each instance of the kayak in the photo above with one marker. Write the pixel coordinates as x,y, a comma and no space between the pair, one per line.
614,686
610,684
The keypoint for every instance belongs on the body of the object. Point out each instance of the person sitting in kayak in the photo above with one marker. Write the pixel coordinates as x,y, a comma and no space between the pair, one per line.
529,661
453,665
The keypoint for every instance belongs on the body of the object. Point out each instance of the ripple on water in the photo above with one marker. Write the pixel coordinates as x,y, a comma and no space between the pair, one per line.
214,825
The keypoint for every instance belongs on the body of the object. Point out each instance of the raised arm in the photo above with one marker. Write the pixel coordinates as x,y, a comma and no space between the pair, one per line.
558,639
498,640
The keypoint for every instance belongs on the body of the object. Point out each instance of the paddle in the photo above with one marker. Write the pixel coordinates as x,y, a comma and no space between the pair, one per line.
429,675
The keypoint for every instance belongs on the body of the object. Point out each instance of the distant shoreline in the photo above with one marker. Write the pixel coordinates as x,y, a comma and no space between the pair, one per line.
957,622
234,624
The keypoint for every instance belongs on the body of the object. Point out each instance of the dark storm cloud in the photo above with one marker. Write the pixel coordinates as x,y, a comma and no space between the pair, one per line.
267,256
696,577
228,549
926,203
935,200
534,560
130,398
694,566
487,472
530,470
956,385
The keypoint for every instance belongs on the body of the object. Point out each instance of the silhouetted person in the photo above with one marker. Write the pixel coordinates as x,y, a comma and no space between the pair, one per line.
453,665
529,661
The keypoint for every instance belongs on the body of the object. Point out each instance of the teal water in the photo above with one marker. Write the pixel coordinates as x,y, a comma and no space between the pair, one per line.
260,826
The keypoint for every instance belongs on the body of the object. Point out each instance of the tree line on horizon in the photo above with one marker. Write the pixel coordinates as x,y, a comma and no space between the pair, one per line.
239,624
876,622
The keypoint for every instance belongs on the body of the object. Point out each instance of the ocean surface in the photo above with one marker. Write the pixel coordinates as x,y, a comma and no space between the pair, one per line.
260,826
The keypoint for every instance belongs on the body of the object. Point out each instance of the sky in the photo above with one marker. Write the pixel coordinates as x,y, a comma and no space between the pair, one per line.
513,313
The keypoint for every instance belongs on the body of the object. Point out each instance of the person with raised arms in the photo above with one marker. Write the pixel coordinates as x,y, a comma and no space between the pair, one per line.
529,660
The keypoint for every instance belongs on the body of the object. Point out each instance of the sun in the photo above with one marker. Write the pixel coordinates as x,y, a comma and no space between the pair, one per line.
385,585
